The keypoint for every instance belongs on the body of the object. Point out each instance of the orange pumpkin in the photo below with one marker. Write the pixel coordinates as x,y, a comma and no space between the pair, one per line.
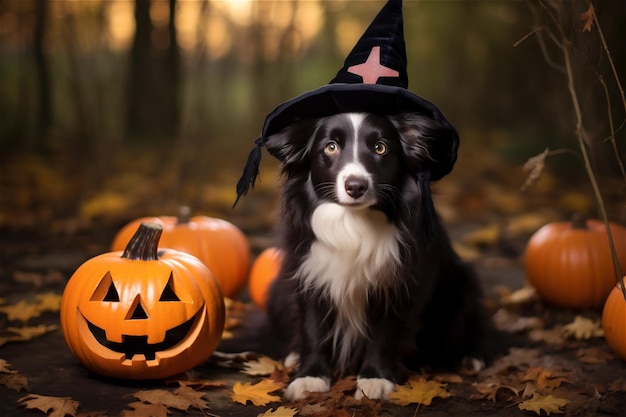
570,263
264,271
614,320
142,314
219,244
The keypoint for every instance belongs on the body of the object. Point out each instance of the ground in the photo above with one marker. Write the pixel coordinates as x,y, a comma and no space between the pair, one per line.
542,361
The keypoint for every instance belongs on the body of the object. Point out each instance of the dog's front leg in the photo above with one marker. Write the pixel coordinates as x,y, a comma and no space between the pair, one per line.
376,378
315,372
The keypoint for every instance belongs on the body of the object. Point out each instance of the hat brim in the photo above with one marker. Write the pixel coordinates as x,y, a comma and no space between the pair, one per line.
366,98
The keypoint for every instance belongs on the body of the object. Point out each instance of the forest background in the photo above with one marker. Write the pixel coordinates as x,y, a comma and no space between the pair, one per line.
112,109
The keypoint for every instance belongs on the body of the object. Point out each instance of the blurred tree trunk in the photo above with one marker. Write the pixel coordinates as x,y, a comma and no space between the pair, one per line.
44,109
154,77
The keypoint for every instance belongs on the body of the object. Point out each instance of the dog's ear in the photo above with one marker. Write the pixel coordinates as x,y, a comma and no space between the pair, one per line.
429,150
292,144
427,145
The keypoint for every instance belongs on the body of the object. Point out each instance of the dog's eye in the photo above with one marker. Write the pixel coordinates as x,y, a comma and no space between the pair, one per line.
380,148
331,148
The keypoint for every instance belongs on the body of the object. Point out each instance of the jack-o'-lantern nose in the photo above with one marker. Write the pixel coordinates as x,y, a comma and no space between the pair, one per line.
137,312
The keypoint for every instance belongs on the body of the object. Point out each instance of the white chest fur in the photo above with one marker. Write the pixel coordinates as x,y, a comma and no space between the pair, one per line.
356,253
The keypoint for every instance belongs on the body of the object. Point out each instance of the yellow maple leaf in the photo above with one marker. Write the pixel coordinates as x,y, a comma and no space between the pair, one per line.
60,406
263,366
49,301
544,379
258,394
547,403
418,391
22,311
280,412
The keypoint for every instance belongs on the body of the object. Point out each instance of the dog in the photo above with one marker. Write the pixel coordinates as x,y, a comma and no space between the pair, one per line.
369,283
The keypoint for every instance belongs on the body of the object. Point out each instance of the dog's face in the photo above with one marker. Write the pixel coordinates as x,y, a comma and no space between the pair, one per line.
353,157
358,160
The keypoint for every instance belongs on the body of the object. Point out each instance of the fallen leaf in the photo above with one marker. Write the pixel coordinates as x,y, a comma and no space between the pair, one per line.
583,328
587,18
22,311
487,236
312,409
280,412
594,355
504,320
6,367
450,378
539,403
258,394
489,390
198,384
31,278
552,336
544,379
140,409
418,391
27,333
164,397
263,366
345,384
526,224
52,406
93,414
14,381
49,301
522,296
194,397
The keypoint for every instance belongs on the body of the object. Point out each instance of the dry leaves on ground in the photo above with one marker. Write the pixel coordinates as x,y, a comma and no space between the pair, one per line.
280,412
258,394
547,404
418,391
52,406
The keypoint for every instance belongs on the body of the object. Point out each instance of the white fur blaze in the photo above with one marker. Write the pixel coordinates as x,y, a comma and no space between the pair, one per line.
373,388
300,386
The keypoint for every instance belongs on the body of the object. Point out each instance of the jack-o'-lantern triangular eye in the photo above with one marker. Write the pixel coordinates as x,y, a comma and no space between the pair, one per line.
169,294
106,290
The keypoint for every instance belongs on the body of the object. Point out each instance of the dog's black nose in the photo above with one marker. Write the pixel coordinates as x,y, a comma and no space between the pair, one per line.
356,186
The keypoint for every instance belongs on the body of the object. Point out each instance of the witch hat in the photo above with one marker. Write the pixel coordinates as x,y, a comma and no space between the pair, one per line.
373,79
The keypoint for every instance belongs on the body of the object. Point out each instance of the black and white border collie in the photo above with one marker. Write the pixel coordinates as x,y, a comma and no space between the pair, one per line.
369,284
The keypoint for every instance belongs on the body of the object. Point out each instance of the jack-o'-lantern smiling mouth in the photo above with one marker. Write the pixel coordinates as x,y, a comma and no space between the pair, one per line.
134,347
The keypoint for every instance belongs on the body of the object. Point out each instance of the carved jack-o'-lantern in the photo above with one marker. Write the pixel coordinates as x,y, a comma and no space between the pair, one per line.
142,315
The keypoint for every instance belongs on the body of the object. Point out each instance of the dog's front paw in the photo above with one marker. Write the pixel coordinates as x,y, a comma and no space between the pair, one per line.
300,386
472,365
373,388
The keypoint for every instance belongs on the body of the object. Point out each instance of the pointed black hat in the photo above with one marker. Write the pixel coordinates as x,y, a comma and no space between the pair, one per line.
373,79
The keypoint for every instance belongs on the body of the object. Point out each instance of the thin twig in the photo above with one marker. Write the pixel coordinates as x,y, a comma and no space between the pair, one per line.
580,132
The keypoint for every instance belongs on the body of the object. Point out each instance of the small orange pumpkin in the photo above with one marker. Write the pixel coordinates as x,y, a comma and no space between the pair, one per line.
219,244
614,320
142,314
264,271
570,263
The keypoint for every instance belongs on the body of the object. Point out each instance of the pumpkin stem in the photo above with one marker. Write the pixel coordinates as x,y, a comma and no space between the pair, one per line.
184,215
579,221
144,243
